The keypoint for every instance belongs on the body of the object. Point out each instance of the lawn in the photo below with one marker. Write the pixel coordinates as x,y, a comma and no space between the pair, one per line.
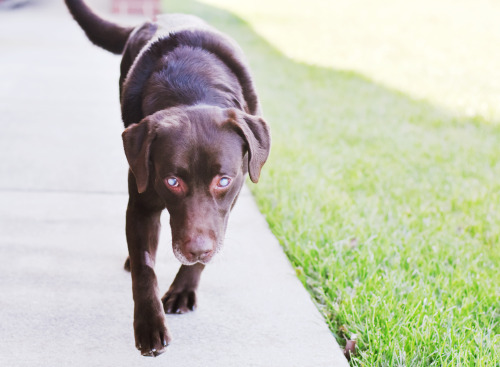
383,185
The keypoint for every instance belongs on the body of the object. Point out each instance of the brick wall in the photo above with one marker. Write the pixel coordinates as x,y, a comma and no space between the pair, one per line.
149,8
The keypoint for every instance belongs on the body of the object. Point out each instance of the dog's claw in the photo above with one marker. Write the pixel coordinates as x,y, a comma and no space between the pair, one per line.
152,353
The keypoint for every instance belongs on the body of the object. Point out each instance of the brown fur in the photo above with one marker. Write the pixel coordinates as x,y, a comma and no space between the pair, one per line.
193,131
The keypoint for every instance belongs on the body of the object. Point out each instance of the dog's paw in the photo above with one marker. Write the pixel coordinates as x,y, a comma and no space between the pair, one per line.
151,334
179,301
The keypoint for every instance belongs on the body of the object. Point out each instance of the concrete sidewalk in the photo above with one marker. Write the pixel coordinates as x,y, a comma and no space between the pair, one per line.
64,298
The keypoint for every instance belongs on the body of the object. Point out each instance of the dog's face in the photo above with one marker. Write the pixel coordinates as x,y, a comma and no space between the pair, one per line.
196,160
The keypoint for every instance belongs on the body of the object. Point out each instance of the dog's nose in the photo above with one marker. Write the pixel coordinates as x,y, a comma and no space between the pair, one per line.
199,249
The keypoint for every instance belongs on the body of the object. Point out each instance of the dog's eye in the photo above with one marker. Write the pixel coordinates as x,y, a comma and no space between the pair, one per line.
172,181
175,185
224,182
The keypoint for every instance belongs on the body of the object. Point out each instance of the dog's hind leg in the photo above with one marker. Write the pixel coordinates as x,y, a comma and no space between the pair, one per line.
126,266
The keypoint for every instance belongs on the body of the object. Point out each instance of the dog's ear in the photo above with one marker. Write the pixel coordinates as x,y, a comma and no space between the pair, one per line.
137,139
256,133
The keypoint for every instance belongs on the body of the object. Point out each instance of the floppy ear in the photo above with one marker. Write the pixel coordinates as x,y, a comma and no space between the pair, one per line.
256,133
137,140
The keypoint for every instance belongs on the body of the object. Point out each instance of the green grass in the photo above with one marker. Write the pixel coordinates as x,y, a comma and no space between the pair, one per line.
383,185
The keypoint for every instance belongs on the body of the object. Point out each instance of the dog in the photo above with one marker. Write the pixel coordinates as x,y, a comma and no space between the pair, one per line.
193,130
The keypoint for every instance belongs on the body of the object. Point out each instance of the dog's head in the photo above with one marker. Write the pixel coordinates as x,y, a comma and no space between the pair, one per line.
196,160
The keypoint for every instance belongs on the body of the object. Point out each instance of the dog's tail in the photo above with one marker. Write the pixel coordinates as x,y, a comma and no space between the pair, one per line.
110,36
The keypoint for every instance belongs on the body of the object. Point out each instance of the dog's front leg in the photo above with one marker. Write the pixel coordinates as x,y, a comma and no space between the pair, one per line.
181,296
143,227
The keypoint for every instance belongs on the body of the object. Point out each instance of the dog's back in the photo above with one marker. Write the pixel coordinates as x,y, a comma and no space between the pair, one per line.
188,40
192,65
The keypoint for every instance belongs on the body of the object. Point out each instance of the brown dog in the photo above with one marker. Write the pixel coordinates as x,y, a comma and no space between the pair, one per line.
192,133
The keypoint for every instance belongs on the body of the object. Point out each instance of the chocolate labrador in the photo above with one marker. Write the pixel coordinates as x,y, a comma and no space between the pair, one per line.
192,132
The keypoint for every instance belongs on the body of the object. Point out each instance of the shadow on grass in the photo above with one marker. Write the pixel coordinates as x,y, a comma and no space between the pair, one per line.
355,163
